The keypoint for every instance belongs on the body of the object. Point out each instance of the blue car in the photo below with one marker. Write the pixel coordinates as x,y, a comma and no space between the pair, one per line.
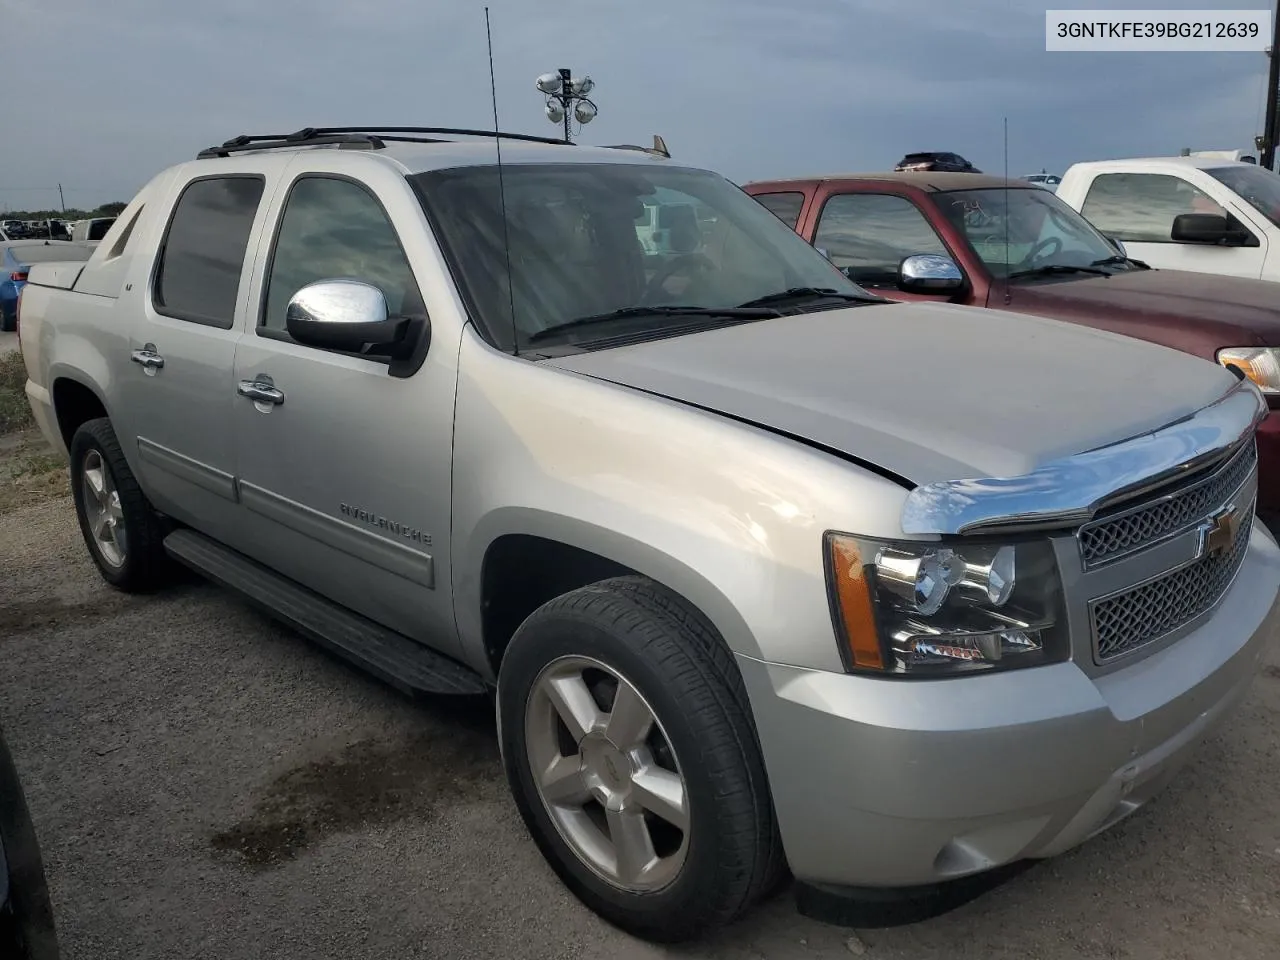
18,256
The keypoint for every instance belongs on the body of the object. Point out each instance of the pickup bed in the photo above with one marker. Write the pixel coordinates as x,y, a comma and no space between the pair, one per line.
941,237
764,571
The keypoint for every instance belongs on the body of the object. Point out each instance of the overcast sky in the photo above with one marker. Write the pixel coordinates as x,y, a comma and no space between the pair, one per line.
101,94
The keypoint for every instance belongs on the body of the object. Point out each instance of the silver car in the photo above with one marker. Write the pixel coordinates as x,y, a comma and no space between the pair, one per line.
766,572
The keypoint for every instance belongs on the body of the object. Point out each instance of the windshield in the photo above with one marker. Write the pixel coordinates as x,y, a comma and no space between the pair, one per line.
1257,186
1042,230
590,239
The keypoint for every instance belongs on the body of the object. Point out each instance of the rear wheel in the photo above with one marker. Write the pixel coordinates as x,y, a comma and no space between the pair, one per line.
630,751
122,530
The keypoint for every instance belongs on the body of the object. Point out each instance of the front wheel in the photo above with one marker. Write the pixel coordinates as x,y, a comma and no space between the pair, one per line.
629,747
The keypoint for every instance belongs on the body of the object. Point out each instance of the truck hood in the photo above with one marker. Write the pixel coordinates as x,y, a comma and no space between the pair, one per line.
927,391
1198,312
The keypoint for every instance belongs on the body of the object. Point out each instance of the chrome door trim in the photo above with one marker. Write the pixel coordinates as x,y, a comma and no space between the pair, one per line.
366,545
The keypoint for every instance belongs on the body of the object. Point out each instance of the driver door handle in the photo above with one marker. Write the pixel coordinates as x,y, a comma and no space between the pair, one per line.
261,392
148,357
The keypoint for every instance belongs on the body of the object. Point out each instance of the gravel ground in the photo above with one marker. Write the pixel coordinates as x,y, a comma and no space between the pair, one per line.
206,784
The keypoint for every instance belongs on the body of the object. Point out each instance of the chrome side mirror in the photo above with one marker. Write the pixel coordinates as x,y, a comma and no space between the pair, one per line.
352,316
929,273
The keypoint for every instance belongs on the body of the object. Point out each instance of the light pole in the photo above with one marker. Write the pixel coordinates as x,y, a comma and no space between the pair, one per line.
567,98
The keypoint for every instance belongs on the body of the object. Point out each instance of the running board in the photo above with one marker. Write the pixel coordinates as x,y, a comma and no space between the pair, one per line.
395,658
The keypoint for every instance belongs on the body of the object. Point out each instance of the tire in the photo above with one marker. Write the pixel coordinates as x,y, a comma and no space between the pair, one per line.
632,635
139,563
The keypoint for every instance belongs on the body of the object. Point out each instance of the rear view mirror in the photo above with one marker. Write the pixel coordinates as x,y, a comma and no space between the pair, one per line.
1200,228
352,316
929,273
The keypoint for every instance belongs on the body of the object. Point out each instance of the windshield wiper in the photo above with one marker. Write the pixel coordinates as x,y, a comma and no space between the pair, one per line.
1050,269
1116,260
796,293
726,313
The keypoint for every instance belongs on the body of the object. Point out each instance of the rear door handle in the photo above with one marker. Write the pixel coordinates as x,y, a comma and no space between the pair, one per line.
260,392
148,357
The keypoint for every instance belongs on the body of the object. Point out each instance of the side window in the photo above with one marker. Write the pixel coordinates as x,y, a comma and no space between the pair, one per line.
202,256
334,229
868,234
785,206
1140,207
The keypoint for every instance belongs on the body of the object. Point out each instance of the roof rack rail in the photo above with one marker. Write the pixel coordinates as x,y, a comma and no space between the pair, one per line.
369,138
659,148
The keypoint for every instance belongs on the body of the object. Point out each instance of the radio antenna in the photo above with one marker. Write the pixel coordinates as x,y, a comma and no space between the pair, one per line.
502,191
1007,265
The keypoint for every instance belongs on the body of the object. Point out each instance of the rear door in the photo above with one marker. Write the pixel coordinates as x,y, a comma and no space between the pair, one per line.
176,392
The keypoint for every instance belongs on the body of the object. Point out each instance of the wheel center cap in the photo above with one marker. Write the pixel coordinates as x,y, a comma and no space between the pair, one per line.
606,762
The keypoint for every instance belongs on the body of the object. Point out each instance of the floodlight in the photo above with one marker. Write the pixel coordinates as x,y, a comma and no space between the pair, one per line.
581,86
550,83
585,111
555,112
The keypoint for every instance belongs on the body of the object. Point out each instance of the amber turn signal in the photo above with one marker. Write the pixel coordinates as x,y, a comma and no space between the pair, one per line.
851,594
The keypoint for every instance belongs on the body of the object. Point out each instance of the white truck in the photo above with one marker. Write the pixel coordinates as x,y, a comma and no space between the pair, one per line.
1197,213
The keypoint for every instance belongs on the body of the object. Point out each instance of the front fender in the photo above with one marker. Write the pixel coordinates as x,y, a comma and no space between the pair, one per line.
729,516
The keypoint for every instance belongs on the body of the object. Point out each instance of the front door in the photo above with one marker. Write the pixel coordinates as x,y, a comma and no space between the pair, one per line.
344,473
1139,209
867,235
175,408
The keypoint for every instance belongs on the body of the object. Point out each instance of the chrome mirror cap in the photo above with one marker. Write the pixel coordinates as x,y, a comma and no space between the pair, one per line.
929,273
337,302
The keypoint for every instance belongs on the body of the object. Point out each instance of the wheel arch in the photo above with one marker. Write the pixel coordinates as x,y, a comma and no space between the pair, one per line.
535,557
75,402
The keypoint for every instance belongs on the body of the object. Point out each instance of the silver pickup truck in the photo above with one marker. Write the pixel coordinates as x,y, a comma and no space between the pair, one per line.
767,572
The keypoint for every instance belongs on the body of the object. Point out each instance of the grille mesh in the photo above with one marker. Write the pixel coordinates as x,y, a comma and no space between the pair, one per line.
1114,537
1145,614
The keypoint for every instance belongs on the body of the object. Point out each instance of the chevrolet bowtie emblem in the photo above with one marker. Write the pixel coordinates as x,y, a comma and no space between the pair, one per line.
1218,533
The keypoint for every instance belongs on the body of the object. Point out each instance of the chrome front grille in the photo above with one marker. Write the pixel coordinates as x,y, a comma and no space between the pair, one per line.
1116,536
1143,614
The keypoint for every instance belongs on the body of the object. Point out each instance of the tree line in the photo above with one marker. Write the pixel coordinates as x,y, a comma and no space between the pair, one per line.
105,210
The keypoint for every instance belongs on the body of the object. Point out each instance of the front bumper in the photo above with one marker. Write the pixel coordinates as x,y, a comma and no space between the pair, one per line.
1269,467
895,783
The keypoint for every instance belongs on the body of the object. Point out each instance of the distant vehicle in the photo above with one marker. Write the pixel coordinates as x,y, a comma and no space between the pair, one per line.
26,914
17,257
91,231
1049,181
937,161
1203,214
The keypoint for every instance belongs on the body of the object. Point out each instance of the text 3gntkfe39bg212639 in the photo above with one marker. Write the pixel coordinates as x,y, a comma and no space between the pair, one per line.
1205,31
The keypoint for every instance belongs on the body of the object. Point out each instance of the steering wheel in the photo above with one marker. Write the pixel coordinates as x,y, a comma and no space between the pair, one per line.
682,264
1036,253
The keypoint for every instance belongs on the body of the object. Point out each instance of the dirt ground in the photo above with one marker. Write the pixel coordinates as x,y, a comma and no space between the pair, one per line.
206,784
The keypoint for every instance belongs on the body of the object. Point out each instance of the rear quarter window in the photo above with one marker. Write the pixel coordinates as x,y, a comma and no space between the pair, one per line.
785,206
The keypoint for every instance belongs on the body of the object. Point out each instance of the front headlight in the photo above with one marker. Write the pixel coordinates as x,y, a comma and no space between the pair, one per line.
1259,364
935,610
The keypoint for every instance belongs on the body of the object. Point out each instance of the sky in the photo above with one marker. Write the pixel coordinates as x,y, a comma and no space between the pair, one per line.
102,94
